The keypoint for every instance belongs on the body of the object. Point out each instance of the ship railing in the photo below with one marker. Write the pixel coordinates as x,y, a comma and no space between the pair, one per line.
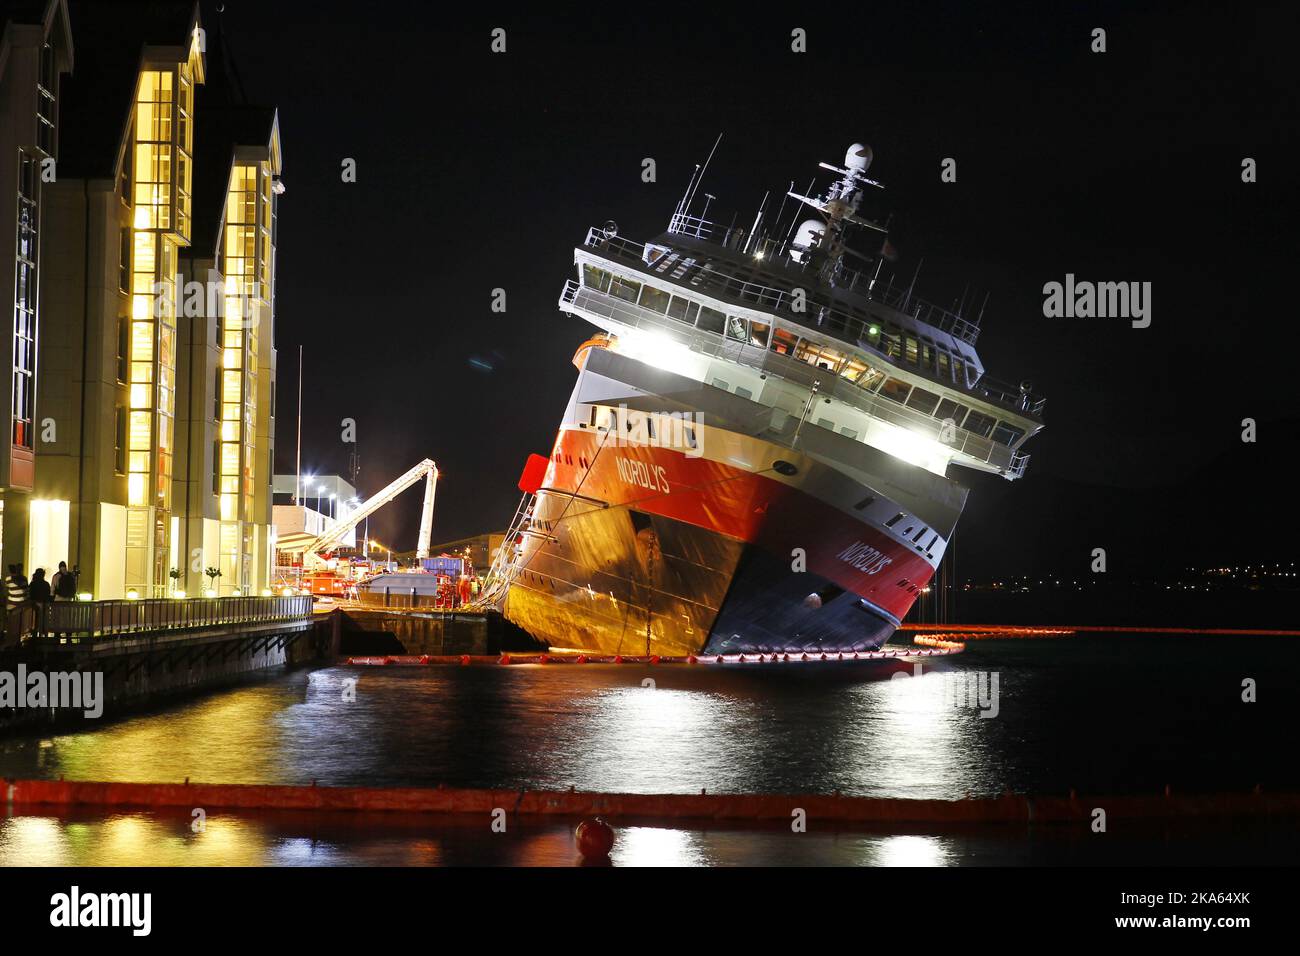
78,619
975,448
1018,464
1017,397
769,297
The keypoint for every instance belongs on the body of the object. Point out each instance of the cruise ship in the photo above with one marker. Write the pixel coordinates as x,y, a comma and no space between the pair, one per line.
758,455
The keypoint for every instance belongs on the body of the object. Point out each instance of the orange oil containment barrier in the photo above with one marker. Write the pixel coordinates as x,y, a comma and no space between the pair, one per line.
753,808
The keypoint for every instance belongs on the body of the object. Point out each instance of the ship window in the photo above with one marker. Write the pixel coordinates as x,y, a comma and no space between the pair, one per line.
594,278
744,392
945,367
909,349
948,409
1007,434
711,320
655,299
625,289
853,368
758,333
682,310
922,400
895,390
894,520
819,355
889,344
826,423
849,433
933,542
959,371
736,328
979,423
719,383
864,503
920,534
871,379
783,342
927,355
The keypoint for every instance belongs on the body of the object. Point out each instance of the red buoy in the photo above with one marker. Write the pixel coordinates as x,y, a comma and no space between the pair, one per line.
594,837
464,659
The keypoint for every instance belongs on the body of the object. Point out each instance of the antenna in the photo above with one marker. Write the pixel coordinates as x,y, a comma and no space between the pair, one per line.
758,219
981,315
907,299
703,171
681,203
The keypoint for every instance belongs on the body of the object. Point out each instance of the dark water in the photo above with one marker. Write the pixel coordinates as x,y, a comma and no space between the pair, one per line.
1101,714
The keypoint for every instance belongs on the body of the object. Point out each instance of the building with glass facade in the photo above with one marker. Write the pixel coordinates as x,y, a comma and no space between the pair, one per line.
158,342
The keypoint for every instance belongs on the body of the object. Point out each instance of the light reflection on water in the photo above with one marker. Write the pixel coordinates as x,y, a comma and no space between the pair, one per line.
143,838
1102,715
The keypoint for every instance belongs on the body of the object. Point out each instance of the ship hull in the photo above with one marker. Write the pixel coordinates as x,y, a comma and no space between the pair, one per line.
637,549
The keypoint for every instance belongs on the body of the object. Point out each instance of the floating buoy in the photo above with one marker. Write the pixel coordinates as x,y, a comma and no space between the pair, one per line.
595,838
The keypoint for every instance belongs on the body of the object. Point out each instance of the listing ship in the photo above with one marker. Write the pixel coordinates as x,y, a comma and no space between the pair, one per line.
755,457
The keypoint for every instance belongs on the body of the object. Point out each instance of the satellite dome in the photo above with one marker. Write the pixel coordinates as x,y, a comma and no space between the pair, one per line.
858,158
806,238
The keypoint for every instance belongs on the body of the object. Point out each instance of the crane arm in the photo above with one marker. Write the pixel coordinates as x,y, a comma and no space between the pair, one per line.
426,470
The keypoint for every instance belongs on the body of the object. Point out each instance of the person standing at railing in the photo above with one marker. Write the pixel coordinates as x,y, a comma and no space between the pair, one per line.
15,588
41,596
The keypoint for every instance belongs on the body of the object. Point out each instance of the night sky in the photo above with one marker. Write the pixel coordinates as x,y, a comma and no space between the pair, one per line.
478,171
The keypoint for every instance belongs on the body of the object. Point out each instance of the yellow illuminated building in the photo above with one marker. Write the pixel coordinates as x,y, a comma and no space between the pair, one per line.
158,343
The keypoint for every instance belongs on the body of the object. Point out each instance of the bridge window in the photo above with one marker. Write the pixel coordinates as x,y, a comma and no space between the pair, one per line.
819,355
783,342
959,371
711,320
683,310
655,299
758,333
945,367
1007,434
849,432
895,390
922,400
594,278
736,328
949,409
624,289
894,520
979,423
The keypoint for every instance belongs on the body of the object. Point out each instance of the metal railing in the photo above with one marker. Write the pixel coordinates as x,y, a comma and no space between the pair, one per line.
842,276
114,618
788,368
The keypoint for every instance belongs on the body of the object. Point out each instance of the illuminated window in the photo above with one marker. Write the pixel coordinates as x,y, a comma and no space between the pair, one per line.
683,310
119,441
895,390
655,299
922,400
